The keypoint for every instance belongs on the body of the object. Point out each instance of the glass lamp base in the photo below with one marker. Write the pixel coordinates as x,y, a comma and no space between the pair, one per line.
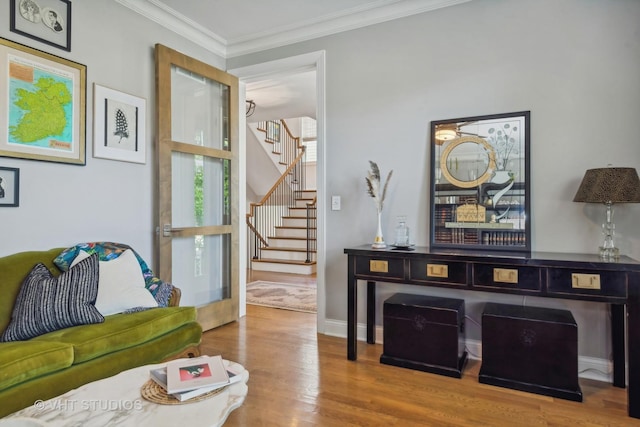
609,253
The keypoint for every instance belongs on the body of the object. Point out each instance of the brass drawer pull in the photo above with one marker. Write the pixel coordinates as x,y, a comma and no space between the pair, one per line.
585,281
437,270
505,275
378,266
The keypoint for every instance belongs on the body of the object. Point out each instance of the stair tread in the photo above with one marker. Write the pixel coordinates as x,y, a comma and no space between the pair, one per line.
293,227
285,249
283,261
289,238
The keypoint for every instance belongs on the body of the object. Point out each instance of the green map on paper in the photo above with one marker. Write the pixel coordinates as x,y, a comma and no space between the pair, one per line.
40,108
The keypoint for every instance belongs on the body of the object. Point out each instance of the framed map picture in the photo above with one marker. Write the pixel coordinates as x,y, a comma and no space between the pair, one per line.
118,125
46,100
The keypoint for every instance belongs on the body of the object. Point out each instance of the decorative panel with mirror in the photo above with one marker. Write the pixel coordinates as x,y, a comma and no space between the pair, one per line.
480,183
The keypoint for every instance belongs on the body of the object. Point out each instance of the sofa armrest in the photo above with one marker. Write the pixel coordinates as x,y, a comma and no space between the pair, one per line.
174,298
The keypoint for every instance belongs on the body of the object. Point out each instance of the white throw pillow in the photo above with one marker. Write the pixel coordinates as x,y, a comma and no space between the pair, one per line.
120,284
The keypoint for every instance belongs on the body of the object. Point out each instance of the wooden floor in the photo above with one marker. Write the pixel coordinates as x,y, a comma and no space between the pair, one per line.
300,378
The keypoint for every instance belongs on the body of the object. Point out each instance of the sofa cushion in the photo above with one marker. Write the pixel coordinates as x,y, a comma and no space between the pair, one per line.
120,285
121,331
13,270
160,290
25,360
47,303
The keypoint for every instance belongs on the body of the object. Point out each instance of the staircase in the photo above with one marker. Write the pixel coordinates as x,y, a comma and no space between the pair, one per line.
282,226
292,248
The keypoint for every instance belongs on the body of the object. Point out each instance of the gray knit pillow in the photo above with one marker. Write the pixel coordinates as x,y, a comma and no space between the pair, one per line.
46,303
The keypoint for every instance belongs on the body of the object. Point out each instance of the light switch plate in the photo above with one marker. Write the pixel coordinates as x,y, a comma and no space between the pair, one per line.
335,203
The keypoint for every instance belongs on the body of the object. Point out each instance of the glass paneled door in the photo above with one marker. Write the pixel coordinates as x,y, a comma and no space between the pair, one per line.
197,121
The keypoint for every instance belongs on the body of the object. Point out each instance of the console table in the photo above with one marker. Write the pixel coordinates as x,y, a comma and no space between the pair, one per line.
554,275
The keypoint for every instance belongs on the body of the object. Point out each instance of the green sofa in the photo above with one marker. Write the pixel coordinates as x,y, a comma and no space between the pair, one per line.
56,362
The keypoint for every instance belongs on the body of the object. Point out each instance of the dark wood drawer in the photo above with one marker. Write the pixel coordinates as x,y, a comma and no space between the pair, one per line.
380,267
567,281
438,271
504,277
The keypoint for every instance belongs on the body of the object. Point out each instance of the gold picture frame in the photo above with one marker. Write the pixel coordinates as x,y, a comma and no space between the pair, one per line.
46,98
273,131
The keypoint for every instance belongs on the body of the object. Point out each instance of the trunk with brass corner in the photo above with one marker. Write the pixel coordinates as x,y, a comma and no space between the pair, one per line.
282,226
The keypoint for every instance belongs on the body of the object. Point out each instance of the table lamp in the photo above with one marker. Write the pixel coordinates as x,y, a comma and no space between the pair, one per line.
609,185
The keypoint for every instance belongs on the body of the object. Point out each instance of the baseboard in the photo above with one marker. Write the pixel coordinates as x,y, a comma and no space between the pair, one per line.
588,367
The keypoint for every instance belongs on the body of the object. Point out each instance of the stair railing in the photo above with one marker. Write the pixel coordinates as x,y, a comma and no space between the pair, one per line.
266,215
311,228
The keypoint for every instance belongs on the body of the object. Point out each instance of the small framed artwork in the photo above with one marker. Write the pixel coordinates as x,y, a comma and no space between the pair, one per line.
45,96
273,131
9,187
119,125
47,21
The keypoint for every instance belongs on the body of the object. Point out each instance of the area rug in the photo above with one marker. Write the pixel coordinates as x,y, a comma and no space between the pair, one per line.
288,296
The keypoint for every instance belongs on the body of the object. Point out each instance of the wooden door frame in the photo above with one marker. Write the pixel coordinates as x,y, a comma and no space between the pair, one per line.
227,309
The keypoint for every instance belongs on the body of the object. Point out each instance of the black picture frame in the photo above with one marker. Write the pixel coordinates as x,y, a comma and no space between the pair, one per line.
480,183
9,187
47,21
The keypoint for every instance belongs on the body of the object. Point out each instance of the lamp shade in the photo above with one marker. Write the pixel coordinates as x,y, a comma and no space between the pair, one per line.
609,185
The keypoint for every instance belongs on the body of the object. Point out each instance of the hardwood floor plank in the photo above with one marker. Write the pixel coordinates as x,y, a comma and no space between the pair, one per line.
301,378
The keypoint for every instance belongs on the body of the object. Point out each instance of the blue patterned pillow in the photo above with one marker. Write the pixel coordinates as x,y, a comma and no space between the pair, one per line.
107,251
46,303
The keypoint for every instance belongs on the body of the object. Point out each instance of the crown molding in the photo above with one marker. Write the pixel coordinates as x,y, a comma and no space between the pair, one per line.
161,14
374,13
350,19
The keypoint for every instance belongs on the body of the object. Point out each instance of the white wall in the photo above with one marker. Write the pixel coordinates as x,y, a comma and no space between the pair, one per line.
61,204
574,64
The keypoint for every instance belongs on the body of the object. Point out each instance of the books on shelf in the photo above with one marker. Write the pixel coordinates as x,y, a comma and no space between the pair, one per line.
186,379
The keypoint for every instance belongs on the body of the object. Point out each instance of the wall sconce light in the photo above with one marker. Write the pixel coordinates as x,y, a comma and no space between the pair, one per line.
609,185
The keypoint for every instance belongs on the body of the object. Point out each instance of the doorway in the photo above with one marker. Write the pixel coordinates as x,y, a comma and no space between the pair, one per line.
262,72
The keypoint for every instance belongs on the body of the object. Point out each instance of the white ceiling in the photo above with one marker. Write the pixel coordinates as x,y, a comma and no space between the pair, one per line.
283,96
235,27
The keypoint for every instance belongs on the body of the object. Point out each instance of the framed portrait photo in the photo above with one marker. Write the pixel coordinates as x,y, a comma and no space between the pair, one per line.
47,21
45,97
9,187
118,125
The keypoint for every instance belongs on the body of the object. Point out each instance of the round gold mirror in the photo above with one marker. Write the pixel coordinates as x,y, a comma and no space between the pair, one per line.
468,161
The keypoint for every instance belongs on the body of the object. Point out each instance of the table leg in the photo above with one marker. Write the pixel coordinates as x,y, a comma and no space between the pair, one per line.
371,312
352,312
617,342
633,343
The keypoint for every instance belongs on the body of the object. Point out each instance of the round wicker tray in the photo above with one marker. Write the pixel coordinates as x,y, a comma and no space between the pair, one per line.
153,392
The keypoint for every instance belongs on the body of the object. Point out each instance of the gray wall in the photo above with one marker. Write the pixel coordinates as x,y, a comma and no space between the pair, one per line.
574,64
60,204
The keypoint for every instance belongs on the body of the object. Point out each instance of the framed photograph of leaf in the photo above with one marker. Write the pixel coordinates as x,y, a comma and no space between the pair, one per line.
47,21
9,187
119,125
45,99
